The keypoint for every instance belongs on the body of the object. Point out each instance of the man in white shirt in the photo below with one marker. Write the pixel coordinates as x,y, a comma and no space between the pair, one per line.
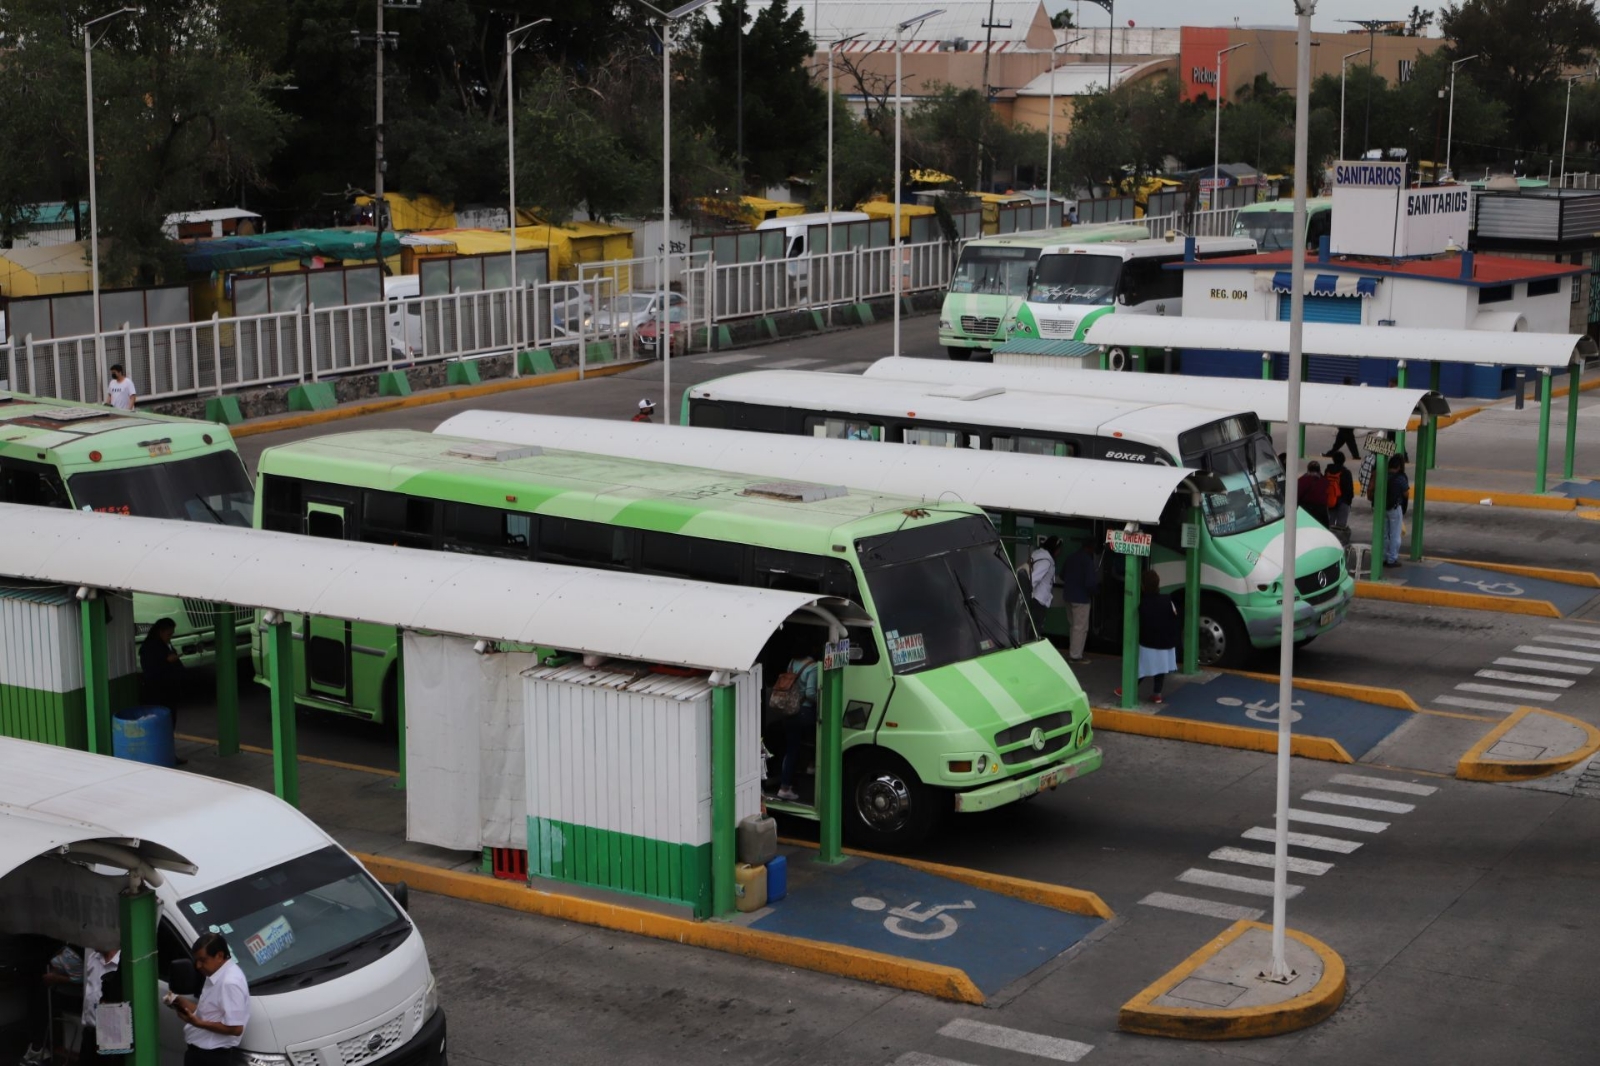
212,1027
121,393
97,965
1042,579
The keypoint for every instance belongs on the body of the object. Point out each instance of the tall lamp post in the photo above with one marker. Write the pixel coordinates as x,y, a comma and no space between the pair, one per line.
94,207
1111,36
894,245
1050,149
828,257
1450,127
1216,136
1344,65
1562,183
514,42
663,328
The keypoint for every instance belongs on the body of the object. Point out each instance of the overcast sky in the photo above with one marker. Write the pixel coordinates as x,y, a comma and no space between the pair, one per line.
1169,13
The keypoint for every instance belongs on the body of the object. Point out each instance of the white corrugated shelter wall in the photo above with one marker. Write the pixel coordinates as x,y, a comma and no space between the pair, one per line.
39,645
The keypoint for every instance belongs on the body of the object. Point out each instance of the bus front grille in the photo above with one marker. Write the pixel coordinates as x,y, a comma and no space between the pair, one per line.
988,326
1313,584
202,613
1058,327
1020,734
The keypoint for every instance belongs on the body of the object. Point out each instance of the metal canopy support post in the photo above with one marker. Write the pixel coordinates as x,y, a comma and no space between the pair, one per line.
1419,484
1266,375
1541,468
1570,455
724,714
400,707
137,914
96,682
227,653
1433,439
280,666
830,765
1130,631
1400,383
1380,502
1191,595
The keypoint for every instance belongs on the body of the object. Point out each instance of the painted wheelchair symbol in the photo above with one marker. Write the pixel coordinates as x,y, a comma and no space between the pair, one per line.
1261,710
1490,588
946,927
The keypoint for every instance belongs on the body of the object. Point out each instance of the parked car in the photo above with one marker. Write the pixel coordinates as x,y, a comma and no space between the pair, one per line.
627,311
644,338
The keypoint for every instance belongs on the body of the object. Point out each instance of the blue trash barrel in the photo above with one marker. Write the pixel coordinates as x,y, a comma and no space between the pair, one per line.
777,878
143,734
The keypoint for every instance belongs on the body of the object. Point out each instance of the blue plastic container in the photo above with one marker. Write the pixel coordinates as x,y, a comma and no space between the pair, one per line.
143,734
777,878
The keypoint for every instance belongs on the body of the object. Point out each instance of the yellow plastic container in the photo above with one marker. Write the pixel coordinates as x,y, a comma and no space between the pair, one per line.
749,887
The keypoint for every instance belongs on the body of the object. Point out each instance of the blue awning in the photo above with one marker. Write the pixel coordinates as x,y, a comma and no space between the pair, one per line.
1327,284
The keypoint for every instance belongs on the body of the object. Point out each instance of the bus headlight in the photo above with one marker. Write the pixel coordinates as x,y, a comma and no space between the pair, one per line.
983,764
430,998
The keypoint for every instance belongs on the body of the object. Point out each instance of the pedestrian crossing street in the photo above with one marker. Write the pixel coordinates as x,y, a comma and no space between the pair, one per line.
1535,674
733,358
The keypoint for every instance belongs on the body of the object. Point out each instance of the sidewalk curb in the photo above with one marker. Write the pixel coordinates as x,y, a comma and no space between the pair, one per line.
1141,1015
1216,734
1473,766
1581,578
942,982
1470,601
1399,699
1056,897
1531,501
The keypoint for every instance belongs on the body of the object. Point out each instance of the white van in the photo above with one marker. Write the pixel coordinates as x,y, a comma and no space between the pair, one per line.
338,973
796,238
402,297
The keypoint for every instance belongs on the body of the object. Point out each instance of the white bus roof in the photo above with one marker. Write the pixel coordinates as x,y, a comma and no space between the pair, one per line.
1324,405
1003,481
1154,246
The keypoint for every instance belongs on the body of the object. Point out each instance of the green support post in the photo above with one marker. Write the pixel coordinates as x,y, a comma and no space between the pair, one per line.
1419,486
96,680
830,766
1130,631
1139,363
227,657
285,756
137,913
1105,359
724,714
1400,383
1300,458
1266,366
1191,598
1433,443
1570,456
1542,467
400,707
1380,503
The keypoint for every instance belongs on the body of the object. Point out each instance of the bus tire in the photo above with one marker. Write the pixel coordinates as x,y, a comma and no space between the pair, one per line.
960,355
886,807
1223,640
1118,359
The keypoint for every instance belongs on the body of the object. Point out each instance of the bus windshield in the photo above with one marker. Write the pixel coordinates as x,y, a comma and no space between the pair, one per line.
205,488
1273,231
1252,493
994,271
1076,279
944,594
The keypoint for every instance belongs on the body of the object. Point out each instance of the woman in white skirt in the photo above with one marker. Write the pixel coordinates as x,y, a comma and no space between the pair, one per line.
1158,633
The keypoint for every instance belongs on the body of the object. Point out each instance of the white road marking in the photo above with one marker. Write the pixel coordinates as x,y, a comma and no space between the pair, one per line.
1570,627
1337,821
1053,1048
847,368
1366,803
1558,653
1475,705
1234,883
1571,642
1193,905
1304,840
1382,784
1504,690
1540,664
1526,679
1246,857
917,1058
736,357
789,364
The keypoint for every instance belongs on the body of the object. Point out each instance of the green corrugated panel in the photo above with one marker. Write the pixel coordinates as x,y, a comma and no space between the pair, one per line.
1038,346
602,858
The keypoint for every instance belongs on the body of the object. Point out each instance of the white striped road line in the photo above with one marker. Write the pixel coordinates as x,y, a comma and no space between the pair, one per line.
1504,690
1366,803
847,368
1540,664
1053,1048
736,357
1192,905
1558,653
917,1058
1304,840
1526,679
789,364
1475,705
1246,857
1337,821
1570,627
1571,642
1234,883
1382,784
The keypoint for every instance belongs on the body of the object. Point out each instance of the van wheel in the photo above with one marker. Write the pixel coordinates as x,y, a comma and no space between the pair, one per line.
1223,641
886,806
960,355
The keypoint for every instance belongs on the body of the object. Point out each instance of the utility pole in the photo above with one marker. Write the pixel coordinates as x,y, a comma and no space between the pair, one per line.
1111,36
381,40
739,98
989,26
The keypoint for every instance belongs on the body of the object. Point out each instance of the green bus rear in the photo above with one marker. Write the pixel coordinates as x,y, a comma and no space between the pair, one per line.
1271,223
954,703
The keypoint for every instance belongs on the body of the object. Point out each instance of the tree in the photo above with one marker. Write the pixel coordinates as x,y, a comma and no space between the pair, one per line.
1062,20
1126,134
863,161
1417,22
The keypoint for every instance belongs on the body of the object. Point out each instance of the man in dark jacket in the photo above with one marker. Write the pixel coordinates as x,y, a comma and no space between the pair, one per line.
1080,577
1399,491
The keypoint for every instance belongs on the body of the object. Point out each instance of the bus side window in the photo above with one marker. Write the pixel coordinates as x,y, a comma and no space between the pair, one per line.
169,949
34,484
571,540
280,505
933,438
843,429
395,518
694,558
1027,445
325,524
707,413
486,531
1320,226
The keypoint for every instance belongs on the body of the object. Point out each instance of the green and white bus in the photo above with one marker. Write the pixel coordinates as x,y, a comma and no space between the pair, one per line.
1241,544
56,453
992,277
1075,283
1271,223
954,703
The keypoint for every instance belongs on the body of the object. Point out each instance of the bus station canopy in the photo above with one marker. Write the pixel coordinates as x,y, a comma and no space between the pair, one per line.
1001,481
631,616
1320,405
1479,347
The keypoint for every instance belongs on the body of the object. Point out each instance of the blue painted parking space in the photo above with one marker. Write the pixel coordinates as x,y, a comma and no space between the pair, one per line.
1585,490
1253,704
894,909
1454,577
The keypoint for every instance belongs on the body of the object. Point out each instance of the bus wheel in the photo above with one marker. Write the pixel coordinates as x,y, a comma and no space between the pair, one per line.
886,806
960,355
1223,641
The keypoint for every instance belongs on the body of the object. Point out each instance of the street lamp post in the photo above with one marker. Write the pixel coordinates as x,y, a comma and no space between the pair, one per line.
1111,36
1216,136
1450,127
894,245
1050,149
1343,67
1562,183
514,41
94,206
828,255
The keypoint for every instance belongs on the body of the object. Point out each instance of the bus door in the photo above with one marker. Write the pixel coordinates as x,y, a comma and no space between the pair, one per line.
325,672
1105,617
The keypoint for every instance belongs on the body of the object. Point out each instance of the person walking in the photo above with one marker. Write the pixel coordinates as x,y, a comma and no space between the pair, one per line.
800,725
213,1024
1313,488
1042,580
1341,490
1158,633
1080,577
1397,501
120,392
1345,438
646,412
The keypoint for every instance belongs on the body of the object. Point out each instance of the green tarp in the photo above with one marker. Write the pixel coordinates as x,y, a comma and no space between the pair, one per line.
238,253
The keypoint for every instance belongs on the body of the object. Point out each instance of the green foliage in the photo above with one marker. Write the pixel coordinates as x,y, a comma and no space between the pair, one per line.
1129,133
863,161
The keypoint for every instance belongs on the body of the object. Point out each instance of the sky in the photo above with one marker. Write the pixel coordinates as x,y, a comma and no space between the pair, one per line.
1168,13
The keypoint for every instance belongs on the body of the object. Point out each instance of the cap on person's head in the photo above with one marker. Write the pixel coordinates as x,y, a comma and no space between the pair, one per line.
646,405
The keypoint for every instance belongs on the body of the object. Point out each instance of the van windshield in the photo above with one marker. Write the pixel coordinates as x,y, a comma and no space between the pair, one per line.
1076,278
1273,231
1001,271
307,920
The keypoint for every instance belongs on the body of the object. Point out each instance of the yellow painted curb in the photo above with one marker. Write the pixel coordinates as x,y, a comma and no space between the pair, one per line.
424,399
1057,897
1218,735
1471,601
257,750
1527,500
1543,573
1474,767
1383,697
1140,1015
942,982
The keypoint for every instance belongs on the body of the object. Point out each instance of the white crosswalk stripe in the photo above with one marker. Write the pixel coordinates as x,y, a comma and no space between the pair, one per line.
1571,642
1467,703
736,357
1053,1048
1558,653
1246,857
1234,883
1382,784
1366,803
1304,840
1337,821
1526,679
1573,627
1540,664
1193,905
790,364
1505,690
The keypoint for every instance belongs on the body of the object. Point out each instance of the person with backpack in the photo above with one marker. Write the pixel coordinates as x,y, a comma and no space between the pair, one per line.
1399,490
1341,490
794,698
1313,489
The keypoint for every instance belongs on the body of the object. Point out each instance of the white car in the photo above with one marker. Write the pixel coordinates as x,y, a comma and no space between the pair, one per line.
628,311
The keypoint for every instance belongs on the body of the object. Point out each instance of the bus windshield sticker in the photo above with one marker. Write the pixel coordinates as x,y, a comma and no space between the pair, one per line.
197,907
270,941
903,651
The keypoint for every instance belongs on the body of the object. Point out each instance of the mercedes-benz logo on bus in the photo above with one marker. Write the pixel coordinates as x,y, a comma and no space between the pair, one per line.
374,1042
1322,579
1036,738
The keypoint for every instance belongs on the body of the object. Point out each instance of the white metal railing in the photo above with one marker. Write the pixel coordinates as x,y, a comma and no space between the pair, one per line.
1214,223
